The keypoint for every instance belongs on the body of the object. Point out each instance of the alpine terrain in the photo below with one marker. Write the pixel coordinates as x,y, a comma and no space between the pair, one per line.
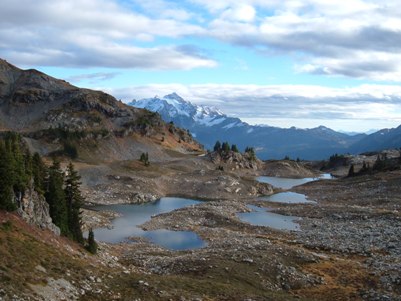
104,201
209,125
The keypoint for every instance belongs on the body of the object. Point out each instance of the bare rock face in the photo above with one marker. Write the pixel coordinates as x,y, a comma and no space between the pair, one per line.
35,210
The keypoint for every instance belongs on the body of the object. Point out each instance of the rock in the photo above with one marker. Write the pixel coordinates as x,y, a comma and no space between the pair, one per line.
34,209
248,260
40,269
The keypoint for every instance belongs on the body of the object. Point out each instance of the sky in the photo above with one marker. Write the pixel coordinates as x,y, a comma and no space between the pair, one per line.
301,63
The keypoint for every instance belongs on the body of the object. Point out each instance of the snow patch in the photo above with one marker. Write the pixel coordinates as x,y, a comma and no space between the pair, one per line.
230,125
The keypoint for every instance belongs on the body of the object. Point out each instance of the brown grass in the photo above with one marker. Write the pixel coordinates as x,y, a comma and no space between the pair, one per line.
344,278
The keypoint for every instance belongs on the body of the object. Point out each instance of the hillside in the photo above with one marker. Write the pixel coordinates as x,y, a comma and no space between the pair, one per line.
209,125
383,139
54,112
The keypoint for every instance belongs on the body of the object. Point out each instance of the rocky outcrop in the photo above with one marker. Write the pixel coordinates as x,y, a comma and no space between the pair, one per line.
34,209
288,169
234,160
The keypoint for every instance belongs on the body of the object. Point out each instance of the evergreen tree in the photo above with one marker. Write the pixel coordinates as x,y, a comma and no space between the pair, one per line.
250,151
217,146
74,201
380,163
55,197
38,173
92,245
225,147
145,159
234,148
20,174
6,182
365,168
171,127
351,171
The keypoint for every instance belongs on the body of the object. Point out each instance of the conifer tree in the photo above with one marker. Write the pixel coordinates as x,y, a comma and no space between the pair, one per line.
225,147
234,148
145,159
351,171
20,175
92,245
38,173
379,163
74,201
217,146
6,182
251,153
55,197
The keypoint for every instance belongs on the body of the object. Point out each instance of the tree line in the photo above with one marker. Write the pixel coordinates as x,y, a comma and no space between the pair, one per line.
382,163
19,171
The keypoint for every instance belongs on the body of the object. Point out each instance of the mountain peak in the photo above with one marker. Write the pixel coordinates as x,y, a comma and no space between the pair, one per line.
173,107
174,96
322,128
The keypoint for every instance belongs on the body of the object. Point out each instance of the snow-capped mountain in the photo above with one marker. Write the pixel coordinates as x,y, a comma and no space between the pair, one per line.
209,125
173,107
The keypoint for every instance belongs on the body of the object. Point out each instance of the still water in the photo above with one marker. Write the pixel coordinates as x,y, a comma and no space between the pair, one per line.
133,215
287,198
261,217
288,183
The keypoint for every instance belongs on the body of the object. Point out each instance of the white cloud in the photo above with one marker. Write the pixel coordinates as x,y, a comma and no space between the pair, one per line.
359,39
240,12
92,33
360,108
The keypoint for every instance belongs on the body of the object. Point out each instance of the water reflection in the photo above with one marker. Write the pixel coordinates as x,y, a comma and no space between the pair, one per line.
175,240
261,217
288,183
287,198
133,215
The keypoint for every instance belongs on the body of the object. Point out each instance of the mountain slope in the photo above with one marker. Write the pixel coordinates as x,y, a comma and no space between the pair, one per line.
53,111
383,139
209,125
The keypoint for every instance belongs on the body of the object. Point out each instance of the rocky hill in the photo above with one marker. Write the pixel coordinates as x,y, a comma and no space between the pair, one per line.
53,111
209,125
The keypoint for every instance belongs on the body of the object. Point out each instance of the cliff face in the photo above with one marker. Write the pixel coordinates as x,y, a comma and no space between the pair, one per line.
34,209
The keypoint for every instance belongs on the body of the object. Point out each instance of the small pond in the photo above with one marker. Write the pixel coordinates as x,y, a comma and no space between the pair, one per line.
262,217
287,198
133,215
288,183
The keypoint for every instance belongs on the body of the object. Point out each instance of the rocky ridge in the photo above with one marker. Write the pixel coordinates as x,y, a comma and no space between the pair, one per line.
54,112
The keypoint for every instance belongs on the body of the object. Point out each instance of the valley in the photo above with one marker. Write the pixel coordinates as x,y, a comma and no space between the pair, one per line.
335,254
338,239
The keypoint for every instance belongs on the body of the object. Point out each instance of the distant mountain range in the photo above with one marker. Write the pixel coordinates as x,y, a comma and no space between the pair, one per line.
208,125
